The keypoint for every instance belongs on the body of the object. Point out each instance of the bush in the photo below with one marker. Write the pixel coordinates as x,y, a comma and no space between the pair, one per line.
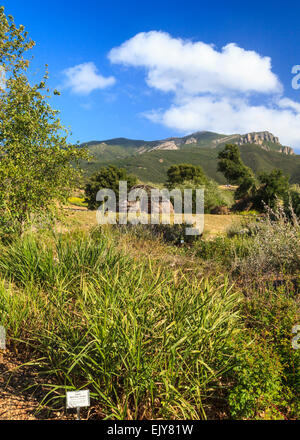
107,178
292,201
275,246
223,250
258,389
272,312
213,195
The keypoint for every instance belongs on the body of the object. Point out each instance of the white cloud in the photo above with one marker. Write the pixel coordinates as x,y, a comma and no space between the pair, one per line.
289,103
211,89
228,116
180,66
84,78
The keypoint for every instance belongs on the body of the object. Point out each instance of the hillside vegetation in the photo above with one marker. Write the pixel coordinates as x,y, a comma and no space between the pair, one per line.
153,165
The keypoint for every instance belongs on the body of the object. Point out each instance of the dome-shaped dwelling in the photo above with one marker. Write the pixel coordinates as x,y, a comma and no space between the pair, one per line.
141,199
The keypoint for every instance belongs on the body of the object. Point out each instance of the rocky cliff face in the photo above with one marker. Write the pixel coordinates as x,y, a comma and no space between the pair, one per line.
287,150
166,145
258,138
264,139
261,139
191,140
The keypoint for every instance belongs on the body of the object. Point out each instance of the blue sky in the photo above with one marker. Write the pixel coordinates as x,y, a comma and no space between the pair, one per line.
153,69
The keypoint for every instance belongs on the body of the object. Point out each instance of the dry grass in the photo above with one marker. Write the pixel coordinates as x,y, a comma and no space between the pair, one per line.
217,224
84,219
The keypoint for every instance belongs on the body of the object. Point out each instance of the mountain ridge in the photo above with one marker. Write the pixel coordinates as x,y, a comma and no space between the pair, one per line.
212,139
150,160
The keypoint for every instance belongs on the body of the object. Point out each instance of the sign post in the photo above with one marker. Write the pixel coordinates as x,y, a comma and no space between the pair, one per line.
78,399
2,338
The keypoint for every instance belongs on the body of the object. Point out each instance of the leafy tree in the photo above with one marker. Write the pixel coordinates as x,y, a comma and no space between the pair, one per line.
36,171
272,186
232,166
246,189
236,172
107,178
178,174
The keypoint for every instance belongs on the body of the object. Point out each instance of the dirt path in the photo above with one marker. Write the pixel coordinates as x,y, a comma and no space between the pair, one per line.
17,401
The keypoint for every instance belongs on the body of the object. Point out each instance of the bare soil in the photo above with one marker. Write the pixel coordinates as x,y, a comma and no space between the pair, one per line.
21,393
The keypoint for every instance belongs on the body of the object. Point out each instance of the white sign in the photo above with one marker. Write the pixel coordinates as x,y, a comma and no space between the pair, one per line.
2,338
78,399
295,343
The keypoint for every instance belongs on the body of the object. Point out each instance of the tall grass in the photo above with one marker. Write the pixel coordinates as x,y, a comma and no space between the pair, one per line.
146,342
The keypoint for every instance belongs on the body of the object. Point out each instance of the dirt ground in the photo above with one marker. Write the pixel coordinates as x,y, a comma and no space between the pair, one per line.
21,394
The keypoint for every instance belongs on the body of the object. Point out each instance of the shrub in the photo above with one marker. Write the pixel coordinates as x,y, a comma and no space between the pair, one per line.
107,178
275,246
292,201
258,389
272,312
223,249
213,195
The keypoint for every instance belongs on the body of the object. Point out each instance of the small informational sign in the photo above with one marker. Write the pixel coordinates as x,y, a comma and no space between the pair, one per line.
78,399
2,338
296,331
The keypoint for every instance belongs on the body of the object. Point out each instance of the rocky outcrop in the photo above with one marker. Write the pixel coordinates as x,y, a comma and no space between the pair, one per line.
262,138
166,145
226,139
287,150
191,140
259,138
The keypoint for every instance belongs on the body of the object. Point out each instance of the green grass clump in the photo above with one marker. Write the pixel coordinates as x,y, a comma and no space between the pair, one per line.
78,201
275,246
224,250
146,343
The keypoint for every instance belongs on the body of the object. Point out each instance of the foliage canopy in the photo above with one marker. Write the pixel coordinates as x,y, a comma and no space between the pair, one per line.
36,161
266,191
107,178
178,174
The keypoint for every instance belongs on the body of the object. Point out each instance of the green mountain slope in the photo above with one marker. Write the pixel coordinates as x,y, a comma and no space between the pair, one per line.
150,160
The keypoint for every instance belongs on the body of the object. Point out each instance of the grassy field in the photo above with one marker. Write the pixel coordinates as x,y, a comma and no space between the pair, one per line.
79,217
